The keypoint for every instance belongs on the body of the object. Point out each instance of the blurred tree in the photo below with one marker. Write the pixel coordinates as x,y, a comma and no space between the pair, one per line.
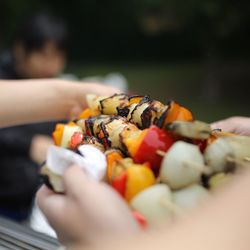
144,29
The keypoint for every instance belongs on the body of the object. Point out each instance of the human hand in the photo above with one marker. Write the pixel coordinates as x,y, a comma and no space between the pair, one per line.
76,95
236,124
45,99
88,212
38,148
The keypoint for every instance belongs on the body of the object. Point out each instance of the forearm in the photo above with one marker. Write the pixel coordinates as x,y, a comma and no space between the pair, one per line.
35,100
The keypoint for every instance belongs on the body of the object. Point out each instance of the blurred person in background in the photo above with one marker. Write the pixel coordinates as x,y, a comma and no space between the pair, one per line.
38,51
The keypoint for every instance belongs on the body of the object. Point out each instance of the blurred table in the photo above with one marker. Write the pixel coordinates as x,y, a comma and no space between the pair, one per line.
16,236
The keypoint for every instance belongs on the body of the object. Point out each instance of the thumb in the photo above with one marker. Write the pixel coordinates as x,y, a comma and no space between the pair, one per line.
75,181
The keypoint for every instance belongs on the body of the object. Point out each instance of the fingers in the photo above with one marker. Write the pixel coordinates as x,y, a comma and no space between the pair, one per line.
216,125
47,200
44,192
52,205
226,124
76,181
100,89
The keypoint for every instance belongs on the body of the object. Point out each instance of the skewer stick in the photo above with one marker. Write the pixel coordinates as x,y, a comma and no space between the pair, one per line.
171,206
200,167
158,180
160,152
238,162
247,159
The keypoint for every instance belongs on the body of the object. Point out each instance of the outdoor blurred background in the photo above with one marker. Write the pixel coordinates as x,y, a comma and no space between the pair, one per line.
196,52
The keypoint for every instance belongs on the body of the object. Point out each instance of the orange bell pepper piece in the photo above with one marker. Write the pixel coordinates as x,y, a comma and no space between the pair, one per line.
112,159
86,113
58,133
216,134
177,113
135,99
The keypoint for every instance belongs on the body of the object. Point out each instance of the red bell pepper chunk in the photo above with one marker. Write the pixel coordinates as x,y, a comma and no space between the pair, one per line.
155,140
119,184
76,140
202,144
140,219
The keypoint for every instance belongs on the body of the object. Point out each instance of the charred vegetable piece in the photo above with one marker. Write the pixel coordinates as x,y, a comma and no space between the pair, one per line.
93,102
91,126
137,112
175,112
107,129
111,130
151,114
112,104
193,130
91,140
79,139
146,112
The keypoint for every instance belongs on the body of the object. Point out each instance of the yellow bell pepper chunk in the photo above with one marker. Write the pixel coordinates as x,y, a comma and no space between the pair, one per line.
138,179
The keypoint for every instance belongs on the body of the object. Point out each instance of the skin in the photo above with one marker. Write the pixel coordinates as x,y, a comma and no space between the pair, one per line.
27,101
90,219
46,62
224,222
236,124
38,148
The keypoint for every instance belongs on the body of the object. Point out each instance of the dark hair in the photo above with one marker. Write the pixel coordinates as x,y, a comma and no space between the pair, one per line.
41,28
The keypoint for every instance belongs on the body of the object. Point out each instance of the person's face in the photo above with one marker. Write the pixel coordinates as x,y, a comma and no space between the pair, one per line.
47,62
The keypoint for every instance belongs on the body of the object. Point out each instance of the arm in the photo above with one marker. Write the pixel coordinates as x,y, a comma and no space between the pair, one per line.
39,147
37,100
